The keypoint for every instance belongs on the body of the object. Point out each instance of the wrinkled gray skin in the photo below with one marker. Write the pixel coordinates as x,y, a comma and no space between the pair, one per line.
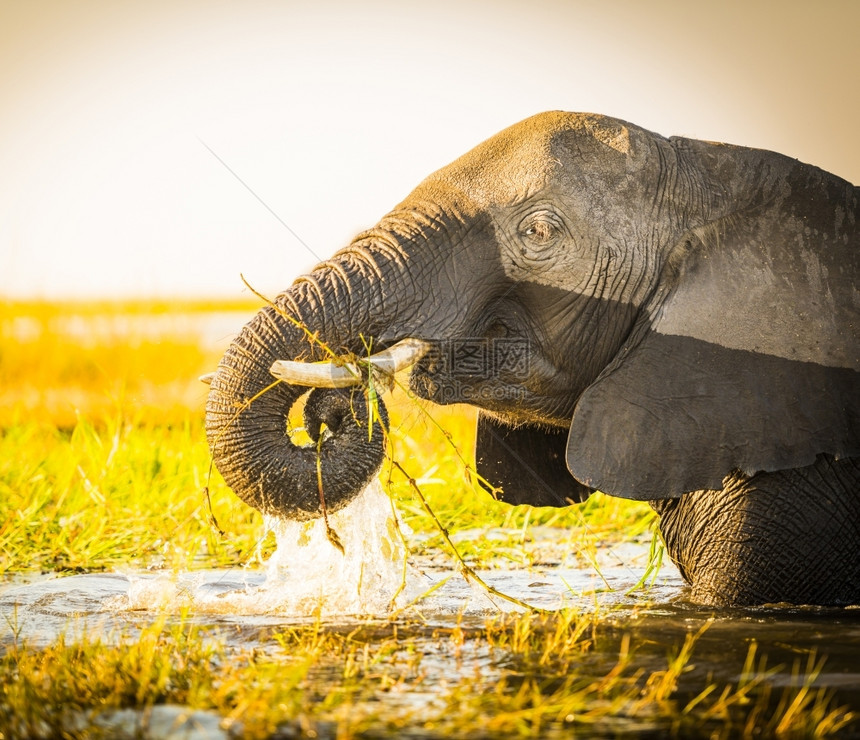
660,319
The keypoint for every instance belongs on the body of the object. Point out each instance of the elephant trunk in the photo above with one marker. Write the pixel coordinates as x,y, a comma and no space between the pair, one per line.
247,408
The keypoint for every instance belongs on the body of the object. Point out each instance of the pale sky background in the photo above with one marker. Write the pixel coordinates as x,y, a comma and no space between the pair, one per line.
332,111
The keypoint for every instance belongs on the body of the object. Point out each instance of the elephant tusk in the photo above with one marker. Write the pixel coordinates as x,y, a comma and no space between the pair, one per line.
207,378
400,356
330,375
316,374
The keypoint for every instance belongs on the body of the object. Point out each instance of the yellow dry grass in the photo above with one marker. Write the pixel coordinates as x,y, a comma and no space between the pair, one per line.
60,362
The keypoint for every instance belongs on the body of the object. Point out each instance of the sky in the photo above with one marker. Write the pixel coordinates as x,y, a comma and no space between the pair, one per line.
164,148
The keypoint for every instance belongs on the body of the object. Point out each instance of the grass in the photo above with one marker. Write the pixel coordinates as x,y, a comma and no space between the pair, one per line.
297,681
110,424
103,465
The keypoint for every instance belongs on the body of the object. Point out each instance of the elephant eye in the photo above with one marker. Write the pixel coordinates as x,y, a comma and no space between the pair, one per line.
539,231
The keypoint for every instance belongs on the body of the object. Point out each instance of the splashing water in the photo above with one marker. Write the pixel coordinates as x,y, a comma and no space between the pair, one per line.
363,579
307,575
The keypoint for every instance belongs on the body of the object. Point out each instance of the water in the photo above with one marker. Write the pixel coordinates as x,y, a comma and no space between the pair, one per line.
373,585
366,572
309,577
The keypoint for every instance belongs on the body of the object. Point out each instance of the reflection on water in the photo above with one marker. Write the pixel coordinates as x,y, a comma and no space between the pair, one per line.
42,608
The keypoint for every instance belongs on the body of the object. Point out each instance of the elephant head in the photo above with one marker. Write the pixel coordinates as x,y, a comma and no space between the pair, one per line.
631,313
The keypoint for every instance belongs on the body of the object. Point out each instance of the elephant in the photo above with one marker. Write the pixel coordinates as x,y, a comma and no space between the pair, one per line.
661,319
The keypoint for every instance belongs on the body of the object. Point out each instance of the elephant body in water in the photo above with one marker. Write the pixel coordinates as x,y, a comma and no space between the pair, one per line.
660,319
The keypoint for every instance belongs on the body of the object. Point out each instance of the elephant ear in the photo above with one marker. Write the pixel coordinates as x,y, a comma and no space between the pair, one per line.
748,360
526,464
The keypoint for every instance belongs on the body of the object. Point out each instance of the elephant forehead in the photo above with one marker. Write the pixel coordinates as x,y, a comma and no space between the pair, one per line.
523,159
503,170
